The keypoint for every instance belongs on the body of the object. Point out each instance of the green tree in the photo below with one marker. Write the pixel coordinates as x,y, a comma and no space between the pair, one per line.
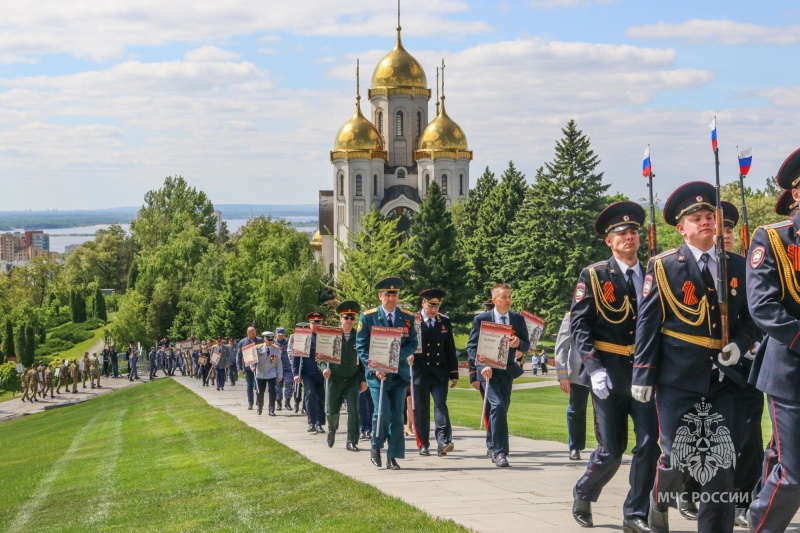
21,345
8,340
553,237
100,305
434,254
378,250
106,260
30,342
130,323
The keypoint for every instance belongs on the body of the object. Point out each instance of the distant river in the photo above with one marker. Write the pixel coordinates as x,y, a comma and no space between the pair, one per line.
63,237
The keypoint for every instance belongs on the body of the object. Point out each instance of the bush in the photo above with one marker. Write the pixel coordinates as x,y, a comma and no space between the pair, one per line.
52,346
10,378
71,332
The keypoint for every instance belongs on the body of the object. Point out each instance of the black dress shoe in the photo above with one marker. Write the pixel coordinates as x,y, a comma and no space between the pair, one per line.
271,412
391,464
688,509
320,429
352,447
296,407
375,457
441,451
658,520
363,435
249,407
312,428
279,406
740,518
424,450
574,455
635,525
260,409
500,460
581,510
489,454
331,439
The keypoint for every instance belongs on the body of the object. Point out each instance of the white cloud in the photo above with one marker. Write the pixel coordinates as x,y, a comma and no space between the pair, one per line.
727,32
555,4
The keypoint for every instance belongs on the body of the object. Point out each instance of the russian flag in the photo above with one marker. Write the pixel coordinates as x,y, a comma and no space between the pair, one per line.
745,161
647,167
713,127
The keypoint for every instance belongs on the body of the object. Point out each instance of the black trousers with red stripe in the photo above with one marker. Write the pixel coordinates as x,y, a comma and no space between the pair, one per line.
716,511
775,505
611,429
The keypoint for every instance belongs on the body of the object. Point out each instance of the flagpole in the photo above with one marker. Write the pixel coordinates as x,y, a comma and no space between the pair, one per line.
744,230
722,266
652,243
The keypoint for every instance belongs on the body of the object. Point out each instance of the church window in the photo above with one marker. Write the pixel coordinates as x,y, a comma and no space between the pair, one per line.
419,123
341,184
399,124
380,122
461,185
444,184
375,185
427,181
401,174
358,185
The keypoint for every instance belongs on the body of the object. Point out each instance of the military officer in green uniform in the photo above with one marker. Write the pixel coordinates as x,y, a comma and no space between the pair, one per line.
74,371
346,379
94,371
395,384
63,376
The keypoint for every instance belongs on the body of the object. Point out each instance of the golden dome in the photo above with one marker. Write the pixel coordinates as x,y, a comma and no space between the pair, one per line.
442,133
399,69
316,241
358,133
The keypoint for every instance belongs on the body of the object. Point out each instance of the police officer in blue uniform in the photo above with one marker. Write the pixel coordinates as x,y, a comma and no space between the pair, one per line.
395,384
495,382
312,379
773,278
435,369
603,331
679,353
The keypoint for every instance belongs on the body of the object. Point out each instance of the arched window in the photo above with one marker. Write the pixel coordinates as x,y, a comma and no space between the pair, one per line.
461,185
427,181
380,122
358,185
399,124
375,185
444,184
401,174
341,184
419,123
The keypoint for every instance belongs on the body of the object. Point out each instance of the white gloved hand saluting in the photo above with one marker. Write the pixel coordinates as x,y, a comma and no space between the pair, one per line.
641,393
751,354
601,383
733,350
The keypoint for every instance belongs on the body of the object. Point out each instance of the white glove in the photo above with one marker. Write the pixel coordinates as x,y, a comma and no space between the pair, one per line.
733,350
751,354
641,393
601,383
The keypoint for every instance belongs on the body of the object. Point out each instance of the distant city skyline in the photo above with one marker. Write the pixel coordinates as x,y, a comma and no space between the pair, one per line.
100,102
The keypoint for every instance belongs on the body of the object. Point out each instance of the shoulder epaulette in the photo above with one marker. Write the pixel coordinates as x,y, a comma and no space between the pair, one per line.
667,253
405,312
444,315
777,225
370,311
599,263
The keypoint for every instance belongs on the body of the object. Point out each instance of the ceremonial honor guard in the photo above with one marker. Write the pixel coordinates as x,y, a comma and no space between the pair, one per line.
435,369
346,379
773,290
786,206
680,354
305,369
603,329
497,383
395,384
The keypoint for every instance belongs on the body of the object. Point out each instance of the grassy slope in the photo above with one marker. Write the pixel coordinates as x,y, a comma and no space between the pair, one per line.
156,458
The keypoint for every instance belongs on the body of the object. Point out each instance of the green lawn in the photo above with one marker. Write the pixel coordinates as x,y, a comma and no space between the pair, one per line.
463,381
157,458
539,414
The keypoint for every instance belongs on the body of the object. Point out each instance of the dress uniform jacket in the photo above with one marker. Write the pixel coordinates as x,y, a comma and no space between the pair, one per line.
603,324
676,301
775,303
350,365
438,361
408,345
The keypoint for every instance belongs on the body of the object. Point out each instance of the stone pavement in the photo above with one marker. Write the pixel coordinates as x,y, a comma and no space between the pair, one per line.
535,494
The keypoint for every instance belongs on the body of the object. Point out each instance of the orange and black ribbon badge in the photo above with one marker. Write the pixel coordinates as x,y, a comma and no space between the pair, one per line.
734,286
688,293
794,255
608,292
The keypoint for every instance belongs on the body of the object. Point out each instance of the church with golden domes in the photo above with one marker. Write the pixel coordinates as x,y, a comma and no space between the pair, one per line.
387,159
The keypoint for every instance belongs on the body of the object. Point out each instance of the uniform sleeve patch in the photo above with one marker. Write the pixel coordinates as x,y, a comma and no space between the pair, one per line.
580,291
647,286
756,256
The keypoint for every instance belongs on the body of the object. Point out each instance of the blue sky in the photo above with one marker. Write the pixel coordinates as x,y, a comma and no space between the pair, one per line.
98,103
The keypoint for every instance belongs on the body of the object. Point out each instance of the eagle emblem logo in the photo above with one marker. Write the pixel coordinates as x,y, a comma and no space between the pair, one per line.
703,446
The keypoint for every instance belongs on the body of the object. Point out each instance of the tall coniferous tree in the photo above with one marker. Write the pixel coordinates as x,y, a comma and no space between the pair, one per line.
434,253
30,343
553,238
8,340
100,305
21,345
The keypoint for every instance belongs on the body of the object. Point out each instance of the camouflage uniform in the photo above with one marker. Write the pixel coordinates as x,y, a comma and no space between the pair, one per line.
85,372
74,371
94,370
40,378
48,381
33,384
25,384
63,377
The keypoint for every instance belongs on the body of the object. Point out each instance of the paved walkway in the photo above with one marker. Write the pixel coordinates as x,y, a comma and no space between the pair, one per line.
535,494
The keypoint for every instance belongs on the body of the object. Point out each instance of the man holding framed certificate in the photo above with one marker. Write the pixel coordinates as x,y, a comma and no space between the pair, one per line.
497,365
384,355
305,369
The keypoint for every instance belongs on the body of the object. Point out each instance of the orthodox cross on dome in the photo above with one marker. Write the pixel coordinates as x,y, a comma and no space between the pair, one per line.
437,91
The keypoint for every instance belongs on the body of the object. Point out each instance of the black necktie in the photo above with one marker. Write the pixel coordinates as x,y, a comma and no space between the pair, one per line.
390,320
707,277
503,319
631,287
430,323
